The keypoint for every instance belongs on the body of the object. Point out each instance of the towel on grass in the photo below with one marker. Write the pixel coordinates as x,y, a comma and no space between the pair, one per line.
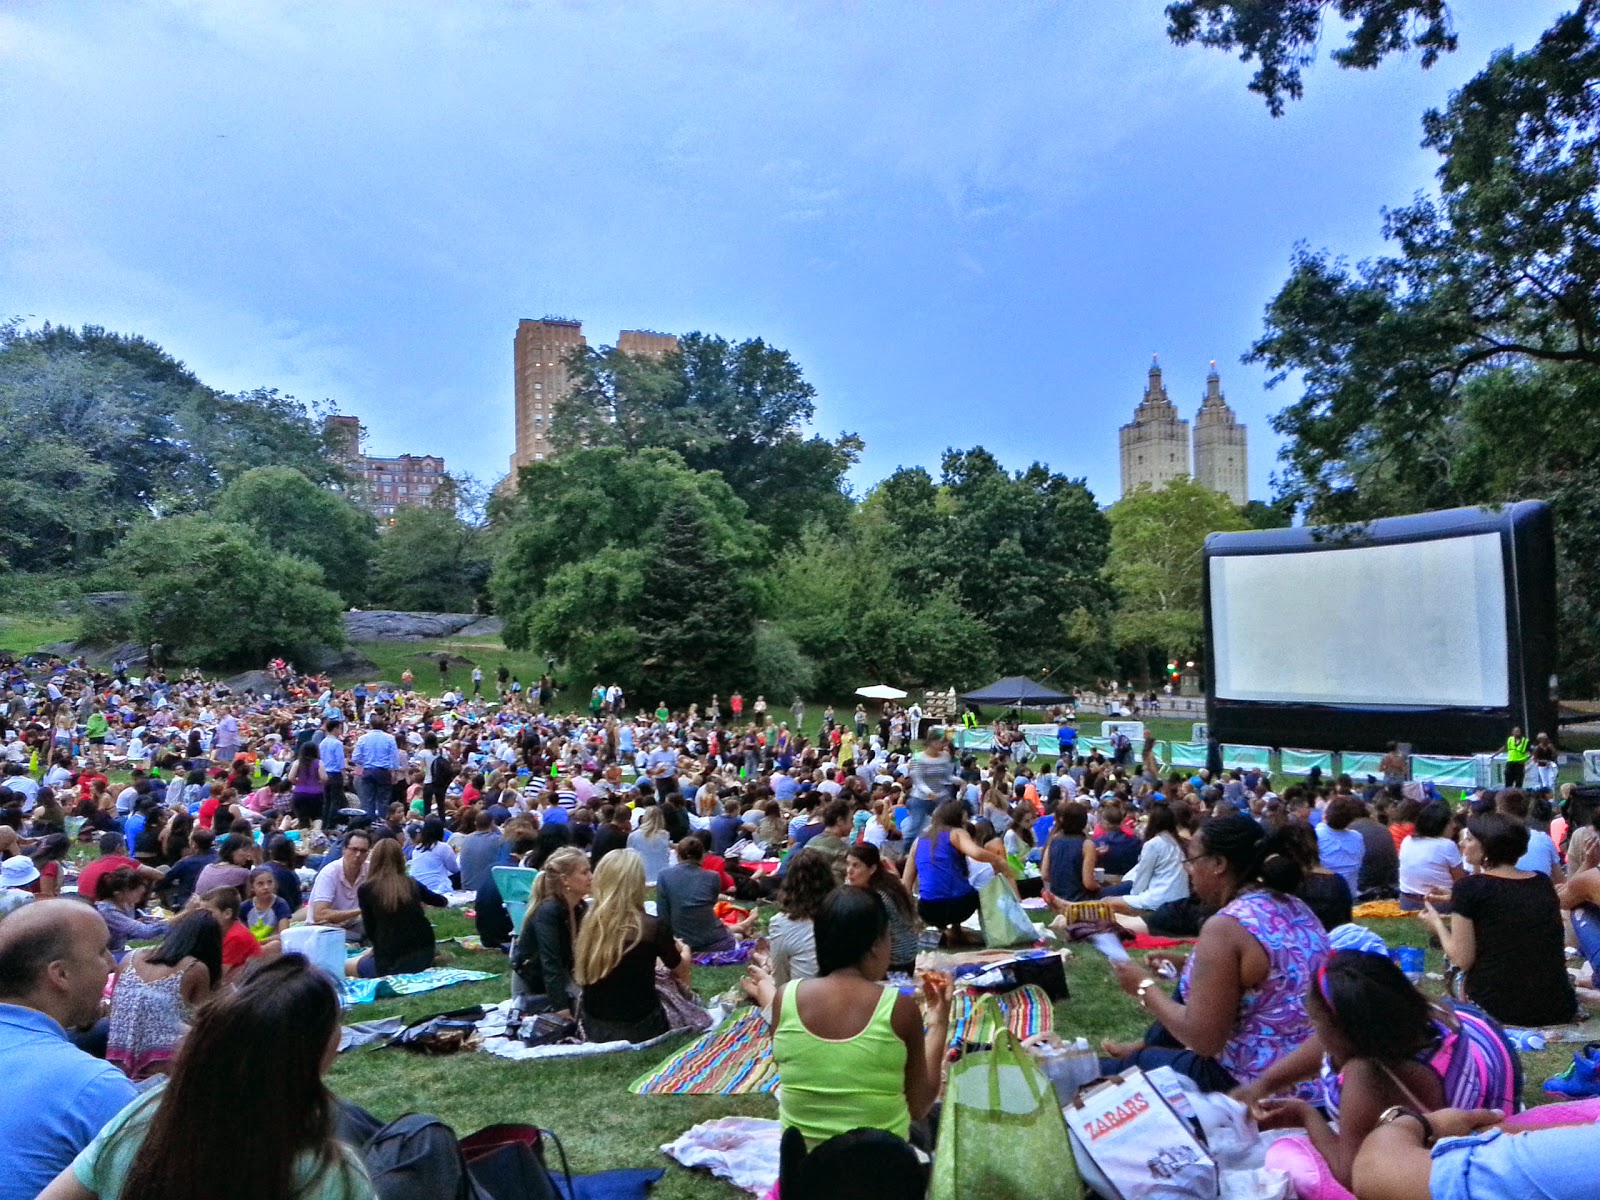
498,1031
727,958
742,1150
365,991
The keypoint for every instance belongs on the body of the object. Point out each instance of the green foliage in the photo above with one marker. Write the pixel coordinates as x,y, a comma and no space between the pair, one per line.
780,672
99,431
1465,367
1284,36
579,543
1155,562
736,408
429,560
215,596
295,516
696,614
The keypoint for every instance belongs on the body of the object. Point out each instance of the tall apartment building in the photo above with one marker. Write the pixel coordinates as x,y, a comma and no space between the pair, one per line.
1219,445
1156,444
384,484
539,356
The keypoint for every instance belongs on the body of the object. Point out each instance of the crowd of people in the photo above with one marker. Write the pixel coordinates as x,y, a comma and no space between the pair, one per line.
245,815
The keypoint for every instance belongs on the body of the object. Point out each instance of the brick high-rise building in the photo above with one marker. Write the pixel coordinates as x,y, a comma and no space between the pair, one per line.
1219,445
539,357
1155,444
383,484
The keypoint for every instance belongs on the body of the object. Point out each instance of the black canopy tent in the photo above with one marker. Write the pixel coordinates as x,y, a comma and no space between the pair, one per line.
1015,691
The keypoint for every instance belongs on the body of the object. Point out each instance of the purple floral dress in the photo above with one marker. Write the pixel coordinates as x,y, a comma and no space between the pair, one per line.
1272,1018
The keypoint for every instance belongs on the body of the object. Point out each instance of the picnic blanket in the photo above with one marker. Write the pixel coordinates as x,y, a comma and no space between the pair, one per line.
736,1057
498,1033
365,991
742,1150
727,958
1376,909
1149,941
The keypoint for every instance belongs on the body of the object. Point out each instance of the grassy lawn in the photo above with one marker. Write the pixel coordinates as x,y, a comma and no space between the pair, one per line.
22,634
604,1126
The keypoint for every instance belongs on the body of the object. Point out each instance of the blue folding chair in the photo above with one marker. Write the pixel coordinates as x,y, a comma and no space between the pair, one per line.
516,889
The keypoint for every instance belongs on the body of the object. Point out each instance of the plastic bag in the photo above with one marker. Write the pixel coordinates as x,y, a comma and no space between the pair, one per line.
1140,1145
1001,1135
1067,1065
1003,919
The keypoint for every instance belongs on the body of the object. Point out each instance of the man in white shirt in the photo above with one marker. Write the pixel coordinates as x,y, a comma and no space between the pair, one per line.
333,894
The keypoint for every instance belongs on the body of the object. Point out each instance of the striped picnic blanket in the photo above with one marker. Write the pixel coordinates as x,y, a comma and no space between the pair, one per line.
736,1057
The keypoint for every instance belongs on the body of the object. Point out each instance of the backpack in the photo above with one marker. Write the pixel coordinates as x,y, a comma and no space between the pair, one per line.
417,1157
441,770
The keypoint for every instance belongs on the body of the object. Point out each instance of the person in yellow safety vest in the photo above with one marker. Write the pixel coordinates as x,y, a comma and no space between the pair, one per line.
1517,754
969,719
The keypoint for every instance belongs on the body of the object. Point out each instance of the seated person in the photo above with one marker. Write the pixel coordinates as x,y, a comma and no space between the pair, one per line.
264,915
543,955
1326,893
618,948
333,893
1240,1003
391,913
118,896
156,992
865,868
1457,1154
1116,851
1506,934
1158,877
792,949
1380,1042
936,871
1070,857
686,897
851,1053
177,888
1580,897
238,945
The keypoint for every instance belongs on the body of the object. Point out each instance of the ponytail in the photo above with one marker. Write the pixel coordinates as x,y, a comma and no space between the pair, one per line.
1254,856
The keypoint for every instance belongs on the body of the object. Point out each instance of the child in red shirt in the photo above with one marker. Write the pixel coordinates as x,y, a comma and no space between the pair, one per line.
239,945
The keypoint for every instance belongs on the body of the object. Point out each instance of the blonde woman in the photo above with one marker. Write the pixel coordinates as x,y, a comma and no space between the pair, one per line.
544,954
652,843
619,945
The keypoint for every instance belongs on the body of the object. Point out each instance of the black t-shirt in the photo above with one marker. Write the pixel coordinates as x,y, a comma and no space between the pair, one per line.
627,996
606,839
1519,972
1328,895
402,940
1380,865
184,874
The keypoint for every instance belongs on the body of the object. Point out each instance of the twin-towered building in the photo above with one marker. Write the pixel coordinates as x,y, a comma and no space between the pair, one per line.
1156,444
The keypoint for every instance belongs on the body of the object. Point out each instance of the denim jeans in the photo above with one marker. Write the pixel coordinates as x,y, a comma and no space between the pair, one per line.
1586,924
918,814
375,787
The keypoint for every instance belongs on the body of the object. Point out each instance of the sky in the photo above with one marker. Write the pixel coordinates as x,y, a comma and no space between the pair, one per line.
971,224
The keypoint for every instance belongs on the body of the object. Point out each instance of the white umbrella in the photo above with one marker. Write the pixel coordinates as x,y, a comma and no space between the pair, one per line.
881,691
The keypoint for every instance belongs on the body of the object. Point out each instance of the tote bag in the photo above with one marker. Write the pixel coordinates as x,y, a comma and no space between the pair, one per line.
1004,921
1001,1134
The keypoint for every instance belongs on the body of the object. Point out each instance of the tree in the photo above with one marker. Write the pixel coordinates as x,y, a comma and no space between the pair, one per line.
736,408
696,614
428,560
215,596
1283,36
576,543
1465,367
100,430
295,516
1155,564
1017,550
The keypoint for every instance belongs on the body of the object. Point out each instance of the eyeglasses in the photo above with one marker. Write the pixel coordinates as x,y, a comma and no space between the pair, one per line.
356,849
1190,859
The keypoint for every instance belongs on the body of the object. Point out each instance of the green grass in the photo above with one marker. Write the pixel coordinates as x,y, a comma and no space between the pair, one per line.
603,1125
22,633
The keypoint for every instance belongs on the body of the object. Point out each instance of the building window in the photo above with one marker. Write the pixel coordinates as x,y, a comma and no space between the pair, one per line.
538,458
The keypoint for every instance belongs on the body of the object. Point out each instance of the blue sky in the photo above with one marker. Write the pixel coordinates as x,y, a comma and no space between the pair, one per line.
970,223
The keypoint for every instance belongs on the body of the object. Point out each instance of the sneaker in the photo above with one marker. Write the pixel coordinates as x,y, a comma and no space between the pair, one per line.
1581,1080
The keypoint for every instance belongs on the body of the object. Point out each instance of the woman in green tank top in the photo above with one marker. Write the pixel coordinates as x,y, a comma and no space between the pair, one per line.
851,1053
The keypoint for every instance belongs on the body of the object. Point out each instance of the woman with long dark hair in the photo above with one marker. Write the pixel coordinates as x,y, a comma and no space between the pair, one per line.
936,870
273,1036
864,868
157,989
391,913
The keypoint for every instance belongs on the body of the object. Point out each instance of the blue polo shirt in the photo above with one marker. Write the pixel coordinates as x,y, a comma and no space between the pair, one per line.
55,1100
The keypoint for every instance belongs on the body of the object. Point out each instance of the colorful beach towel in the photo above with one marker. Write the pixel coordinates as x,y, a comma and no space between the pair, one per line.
736,1057
365,991
739,955
731,1060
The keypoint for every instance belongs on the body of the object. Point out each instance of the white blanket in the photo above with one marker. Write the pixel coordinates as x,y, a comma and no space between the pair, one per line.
742,1150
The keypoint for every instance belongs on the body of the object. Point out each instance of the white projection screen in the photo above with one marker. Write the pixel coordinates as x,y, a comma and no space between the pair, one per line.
1419,623
1436,630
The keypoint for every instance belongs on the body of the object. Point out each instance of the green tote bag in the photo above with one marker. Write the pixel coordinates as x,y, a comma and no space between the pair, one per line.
1001,1134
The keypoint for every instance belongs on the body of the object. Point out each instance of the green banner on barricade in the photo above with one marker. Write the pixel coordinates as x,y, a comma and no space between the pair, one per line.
1301,762
980,741
1187,754
1445,772
1087,745
1359,766
1244,758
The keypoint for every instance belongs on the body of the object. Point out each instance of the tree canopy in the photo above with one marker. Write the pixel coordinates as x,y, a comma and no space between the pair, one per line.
294,516
738,408
1283,36
1464,368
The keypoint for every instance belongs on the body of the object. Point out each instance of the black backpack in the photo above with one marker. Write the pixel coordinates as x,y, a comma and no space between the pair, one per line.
417,1157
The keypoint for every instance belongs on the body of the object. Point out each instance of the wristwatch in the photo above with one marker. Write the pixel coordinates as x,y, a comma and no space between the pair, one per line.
1399,1110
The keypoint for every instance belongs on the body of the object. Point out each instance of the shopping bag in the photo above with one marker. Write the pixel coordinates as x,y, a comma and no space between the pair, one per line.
1126,1133
1003,919
1001,1136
